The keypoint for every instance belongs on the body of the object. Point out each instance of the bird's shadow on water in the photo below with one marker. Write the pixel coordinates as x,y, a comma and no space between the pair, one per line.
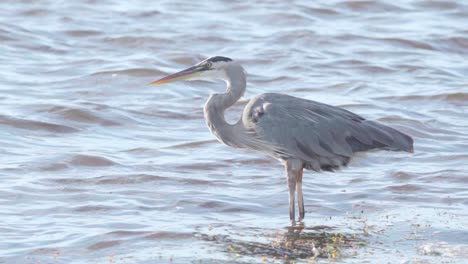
291,243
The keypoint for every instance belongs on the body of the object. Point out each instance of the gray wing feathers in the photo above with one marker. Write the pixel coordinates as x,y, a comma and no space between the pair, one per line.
387,137
323,136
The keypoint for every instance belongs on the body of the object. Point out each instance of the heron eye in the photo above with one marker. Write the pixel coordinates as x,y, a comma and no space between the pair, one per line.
209,64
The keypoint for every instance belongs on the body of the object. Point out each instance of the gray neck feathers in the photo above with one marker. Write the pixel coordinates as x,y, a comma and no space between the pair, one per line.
218,103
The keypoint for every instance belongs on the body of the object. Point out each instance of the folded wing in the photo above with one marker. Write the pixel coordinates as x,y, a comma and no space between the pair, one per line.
324,137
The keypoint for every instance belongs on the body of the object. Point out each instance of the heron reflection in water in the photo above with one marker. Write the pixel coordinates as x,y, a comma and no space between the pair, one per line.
302,134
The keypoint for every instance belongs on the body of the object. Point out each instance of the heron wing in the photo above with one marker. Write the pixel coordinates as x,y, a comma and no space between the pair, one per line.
321,135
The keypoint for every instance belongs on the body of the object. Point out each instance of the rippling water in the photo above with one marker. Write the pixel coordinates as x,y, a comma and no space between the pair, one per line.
99,167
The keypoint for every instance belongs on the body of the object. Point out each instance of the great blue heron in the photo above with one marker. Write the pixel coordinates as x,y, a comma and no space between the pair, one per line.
302,134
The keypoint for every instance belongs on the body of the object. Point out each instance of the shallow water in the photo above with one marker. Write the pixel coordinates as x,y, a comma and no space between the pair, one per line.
99,167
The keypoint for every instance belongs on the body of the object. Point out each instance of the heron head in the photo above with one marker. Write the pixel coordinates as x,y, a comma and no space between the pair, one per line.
209,69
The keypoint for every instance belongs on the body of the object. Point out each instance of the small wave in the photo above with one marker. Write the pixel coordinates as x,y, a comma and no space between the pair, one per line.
137,41
137,72
448,97
111,179
53,167
34,12
35,125
82,115
405,188
44,251
93,208
214,39
128,179
203,166
213,204
104,244
452,176
409,43
452,44
317,11
91,161
253,161
400,175
190,115
369,6
144,14
437,5
192,144
82,33
168,235
373,69
126,233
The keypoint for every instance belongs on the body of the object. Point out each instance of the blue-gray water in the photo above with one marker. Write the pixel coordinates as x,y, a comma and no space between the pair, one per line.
99,167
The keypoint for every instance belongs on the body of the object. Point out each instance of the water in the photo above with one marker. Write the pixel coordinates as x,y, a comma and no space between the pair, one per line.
99,167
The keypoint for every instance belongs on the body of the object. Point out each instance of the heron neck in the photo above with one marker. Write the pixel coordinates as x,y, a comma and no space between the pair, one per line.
235,90
218,103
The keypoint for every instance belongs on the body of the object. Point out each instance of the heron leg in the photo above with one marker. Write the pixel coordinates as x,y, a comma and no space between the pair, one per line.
292,189
300,198
293,167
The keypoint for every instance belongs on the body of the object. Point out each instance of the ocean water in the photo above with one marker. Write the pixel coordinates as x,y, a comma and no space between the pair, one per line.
99,167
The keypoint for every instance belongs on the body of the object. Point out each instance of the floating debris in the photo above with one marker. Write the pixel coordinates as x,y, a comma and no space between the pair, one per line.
296,243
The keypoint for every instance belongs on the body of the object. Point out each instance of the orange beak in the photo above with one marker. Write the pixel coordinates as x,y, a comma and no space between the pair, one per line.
178,76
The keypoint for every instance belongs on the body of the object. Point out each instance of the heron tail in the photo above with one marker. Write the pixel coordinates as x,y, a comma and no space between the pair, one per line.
390,138
378,136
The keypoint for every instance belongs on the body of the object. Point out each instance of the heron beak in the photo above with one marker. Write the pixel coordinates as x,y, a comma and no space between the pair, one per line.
179,76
